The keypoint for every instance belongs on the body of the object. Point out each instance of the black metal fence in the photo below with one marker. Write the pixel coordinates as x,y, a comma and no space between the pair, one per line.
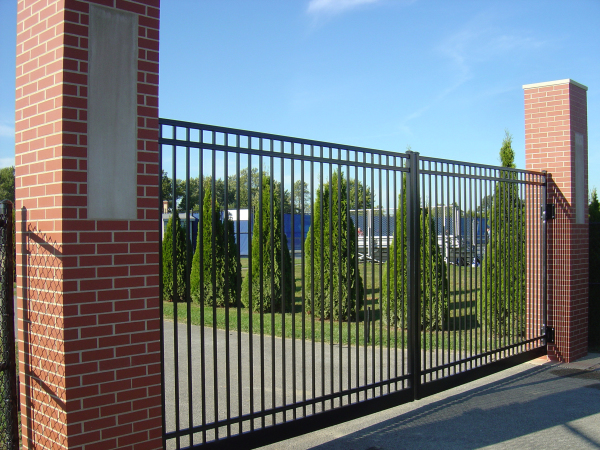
9,437
412,275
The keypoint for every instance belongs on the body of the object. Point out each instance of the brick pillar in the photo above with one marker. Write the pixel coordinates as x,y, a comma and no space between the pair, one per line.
87,211
556,140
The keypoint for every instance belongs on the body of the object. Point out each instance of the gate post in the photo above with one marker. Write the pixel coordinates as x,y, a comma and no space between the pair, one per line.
413,282
556,140
86,157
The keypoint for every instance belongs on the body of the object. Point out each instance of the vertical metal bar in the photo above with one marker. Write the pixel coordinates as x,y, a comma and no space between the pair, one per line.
283,276
432,225
349,229
293,293
544,246
339,261
470,262
312,277
458,267
503,257
226,286
238,284
421,233
380,281
413,282
251,230
213,275
188,259
272,257
403,255
161,287
371,246
366,233
7,334
387,274
261,285
446,292
522,324
439,269
514,249
398,253
486,207
357,271
431,250
175,288
508,275
303,275
203,393
331,277
322,276
478,264
452,254
496,274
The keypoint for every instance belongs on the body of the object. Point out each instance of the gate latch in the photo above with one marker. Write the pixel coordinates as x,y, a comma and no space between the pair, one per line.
548,212
549,333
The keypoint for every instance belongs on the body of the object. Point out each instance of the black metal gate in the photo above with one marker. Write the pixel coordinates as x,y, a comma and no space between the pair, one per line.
9,437
306,283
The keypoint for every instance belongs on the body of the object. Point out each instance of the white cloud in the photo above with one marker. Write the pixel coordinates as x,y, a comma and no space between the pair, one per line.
335,6
476,43
404,127
7,162
480,40
7,130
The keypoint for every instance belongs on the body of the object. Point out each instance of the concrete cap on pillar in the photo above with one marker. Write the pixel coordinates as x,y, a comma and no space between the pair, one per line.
554,83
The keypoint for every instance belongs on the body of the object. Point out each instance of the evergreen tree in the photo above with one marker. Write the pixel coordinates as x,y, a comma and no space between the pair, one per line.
7,184
277,287
504,263
227,273
167,260
594,208
337,289
433,287
594,272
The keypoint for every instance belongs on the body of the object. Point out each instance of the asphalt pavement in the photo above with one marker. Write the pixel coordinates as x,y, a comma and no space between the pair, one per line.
536,405
539,404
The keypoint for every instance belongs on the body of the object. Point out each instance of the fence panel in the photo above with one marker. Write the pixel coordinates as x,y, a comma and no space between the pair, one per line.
9,437
483,235
368,279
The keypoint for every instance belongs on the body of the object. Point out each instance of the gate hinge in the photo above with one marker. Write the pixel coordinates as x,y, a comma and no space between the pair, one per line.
547,212
549,333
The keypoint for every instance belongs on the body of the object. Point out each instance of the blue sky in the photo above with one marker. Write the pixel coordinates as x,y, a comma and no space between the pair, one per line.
443,77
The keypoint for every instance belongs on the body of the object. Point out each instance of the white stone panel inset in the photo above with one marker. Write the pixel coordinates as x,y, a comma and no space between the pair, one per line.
112,115
580,188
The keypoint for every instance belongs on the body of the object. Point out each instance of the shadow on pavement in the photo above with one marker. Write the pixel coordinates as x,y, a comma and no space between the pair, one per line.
539,407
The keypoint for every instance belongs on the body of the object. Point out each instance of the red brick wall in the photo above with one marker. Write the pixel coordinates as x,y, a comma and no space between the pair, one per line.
553,114
89,347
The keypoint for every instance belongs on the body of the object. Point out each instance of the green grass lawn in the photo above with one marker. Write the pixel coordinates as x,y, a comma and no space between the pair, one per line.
463,330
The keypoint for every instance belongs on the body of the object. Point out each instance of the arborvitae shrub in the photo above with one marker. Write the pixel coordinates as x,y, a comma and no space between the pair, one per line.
277,288
226,286
336,291
504,268
433,284
167,260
